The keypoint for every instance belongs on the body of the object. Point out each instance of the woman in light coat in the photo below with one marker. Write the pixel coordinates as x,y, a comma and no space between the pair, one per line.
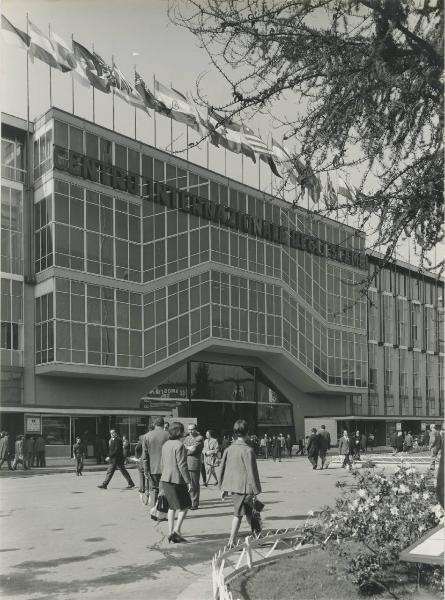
210,452
239,476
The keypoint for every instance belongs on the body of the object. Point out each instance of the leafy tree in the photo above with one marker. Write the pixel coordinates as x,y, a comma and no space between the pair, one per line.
365,78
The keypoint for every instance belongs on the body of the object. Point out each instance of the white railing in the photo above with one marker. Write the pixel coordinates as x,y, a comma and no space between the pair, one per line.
404,458
255,550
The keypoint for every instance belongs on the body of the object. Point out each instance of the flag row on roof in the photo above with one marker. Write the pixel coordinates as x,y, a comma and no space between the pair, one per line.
90,69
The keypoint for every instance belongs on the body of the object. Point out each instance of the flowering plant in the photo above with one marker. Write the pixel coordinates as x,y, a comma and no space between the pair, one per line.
375,519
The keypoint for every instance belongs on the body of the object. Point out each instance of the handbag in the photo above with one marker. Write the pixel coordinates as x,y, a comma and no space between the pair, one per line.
159,511
254,508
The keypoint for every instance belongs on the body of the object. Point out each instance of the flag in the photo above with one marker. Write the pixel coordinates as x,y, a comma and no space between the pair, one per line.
202,125
280,153
40,47
230,134
309,181
147,97
103,68
267,158
255,142
125,90
178,105
14,36
330,197
295,168
65,55
91,68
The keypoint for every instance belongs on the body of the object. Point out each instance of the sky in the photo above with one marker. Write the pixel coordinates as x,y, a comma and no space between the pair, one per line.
136,33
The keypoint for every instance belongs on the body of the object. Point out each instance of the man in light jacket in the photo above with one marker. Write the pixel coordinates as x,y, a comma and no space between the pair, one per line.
344,449
324,444
239,476
194,444
152,443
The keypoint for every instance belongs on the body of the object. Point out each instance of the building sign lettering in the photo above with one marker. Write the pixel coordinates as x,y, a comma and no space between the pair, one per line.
97,171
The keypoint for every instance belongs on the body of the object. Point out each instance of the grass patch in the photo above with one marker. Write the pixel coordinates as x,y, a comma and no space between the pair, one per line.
315,575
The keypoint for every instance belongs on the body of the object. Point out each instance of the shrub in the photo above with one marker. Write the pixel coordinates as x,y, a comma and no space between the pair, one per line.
377,518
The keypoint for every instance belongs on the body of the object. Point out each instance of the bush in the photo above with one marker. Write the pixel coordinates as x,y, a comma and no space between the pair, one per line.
374,520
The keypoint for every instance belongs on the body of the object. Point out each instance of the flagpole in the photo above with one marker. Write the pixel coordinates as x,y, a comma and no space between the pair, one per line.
72,75
154,112
259,173
112,63
135,115
94,120
50,72
171,127
208,151
28,267
187,142
225,162
242,167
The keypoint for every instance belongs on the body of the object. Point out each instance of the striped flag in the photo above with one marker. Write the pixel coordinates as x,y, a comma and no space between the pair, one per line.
13,36
255,142
230,135
65,56
40,47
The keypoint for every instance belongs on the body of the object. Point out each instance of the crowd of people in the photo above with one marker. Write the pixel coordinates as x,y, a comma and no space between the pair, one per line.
173,463
27,451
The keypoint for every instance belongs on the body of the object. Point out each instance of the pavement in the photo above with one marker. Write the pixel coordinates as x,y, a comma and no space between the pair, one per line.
63,538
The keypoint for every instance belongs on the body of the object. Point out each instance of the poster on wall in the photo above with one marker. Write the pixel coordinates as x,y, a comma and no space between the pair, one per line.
33,424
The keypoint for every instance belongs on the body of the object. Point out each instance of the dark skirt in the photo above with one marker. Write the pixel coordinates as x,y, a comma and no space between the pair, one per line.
177,495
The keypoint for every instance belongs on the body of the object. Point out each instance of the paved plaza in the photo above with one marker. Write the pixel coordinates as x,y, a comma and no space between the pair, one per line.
62,537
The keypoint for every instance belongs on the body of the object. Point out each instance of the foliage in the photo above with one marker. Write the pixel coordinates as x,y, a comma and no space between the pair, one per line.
375,520
363,79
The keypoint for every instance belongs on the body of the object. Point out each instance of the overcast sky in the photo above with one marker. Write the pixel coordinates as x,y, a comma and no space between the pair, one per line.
135,32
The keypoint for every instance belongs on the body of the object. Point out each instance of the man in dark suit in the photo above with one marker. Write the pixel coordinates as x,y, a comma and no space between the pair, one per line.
116,458
324,441
152,443
313,447
194,444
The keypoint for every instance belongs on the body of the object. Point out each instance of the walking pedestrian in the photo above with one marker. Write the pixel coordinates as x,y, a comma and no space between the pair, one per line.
210,452
408,442
239,476
152,443
139,464
40,447
116,458
125,448
313,448
399,442
263,446
175,481
194,444
276,448
371,440
79,453
356,441
324,445
364,442
4,450
19,455
289,445
435,444
29,444
282,444
344,449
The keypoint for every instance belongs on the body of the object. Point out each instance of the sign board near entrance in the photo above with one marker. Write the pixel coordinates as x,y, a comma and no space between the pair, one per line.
33,424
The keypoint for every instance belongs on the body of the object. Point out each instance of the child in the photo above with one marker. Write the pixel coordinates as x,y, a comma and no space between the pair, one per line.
79,453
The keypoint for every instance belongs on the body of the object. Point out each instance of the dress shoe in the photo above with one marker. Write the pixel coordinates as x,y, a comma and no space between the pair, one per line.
130,486
102,486
194,507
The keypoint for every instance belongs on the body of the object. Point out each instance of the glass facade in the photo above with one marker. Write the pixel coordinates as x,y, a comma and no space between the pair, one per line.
253,290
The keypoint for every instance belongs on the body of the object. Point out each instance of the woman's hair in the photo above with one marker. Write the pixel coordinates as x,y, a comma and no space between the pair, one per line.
176,430
240,428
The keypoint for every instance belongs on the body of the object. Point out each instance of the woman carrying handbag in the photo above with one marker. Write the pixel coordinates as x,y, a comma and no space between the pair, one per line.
210,451
239,476
175,481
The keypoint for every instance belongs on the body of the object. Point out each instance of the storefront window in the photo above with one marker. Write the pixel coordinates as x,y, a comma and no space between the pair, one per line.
56,430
